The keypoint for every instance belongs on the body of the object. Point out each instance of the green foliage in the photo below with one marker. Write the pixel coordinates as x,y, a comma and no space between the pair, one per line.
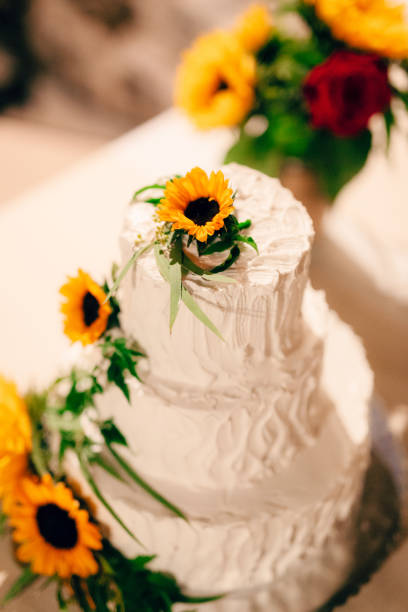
3,523
174,278
255,152
131,472
163,265
148,187
111,434
113,320
177,264
78,400
122,357
337,160
135,256
26,579
90,480
389,121
40,453
133,586
321,33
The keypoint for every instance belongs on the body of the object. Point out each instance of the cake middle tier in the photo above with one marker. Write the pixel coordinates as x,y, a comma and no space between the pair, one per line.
236,436
259,316
226,443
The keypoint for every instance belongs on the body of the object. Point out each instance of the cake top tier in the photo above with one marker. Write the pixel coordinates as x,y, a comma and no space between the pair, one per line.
280,226
259,316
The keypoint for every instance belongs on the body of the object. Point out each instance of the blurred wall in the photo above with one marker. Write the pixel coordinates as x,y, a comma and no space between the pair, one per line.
121,54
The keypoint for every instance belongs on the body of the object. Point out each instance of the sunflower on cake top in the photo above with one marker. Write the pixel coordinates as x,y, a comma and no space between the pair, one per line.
211,441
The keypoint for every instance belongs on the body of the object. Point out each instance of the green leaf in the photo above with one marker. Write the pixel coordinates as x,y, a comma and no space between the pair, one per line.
191,266
113,320
219,246
127,267
142,589
244,225
106,465
80,595
163,263
62,604
231,259
256,153
144,485
175,280
104,502
337,160
116,376
154,186
26,579
197,312
3,523
111,434
37,408
403,95
154,201
389,121
139,563
248,240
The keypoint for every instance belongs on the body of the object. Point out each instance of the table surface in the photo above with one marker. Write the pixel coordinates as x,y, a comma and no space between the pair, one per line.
73,221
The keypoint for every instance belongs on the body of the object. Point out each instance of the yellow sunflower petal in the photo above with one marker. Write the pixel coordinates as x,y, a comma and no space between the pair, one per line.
15,437
254,27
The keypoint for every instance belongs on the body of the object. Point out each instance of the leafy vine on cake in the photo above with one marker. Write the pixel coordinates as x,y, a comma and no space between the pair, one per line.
56,535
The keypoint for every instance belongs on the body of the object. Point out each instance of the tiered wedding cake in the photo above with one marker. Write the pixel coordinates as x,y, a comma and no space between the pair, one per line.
263,439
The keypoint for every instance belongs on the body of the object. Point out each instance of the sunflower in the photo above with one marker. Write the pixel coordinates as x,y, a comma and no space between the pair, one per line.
215,81
15,436
253,28
372,25
52,532
197,203
86,311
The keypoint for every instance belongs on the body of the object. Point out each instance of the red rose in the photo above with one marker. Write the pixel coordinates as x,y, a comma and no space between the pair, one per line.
346,90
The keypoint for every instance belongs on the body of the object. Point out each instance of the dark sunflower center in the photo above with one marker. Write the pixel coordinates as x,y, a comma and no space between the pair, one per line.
90,308
202,210
57,527
222,85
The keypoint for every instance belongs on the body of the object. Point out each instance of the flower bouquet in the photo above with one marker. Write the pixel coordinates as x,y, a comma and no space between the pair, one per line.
301,87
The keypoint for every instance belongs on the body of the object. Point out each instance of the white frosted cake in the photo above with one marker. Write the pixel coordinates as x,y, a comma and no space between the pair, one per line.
262,440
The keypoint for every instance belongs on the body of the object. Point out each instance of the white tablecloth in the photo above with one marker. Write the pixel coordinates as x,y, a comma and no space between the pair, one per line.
73,221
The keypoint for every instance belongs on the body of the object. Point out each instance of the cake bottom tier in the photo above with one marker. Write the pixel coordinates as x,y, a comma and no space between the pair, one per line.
307,584
250,550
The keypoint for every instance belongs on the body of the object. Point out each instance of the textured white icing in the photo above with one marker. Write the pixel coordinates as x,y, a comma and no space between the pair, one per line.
262,360
261,441
254,542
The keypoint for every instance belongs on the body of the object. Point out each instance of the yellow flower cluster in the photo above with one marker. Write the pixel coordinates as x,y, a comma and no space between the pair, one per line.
216,79
52,532
372,25
15,437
